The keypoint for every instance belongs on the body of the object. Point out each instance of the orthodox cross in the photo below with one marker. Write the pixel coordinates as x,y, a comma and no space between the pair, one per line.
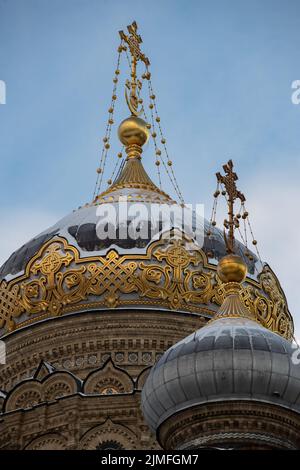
133,41
229,181
179,258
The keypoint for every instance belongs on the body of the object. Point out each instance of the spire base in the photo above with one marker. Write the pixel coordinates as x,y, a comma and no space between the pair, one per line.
134,152
232,271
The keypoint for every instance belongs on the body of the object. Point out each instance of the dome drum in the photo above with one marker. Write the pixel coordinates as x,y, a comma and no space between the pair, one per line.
234,425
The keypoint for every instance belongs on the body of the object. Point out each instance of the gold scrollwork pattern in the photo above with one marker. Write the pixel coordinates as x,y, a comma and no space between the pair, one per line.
176,278
173,274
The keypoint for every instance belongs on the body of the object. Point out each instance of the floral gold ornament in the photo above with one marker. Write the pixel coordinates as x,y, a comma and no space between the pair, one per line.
172,281
173,274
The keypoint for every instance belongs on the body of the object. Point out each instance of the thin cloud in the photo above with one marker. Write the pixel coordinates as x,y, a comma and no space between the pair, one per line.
19,226
273,201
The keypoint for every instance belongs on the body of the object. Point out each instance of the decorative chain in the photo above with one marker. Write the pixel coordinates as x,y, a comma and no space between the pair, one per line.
242,214
155,120
110,122
154,127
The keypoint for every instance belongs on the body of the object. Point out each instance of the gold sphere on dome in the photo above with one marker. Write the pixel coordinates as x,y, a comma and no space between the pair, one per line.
133,131
231,268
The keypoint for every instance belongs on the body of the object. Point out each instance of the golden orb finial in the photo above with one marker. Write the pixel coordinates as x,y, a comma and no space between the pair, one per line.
133,134
231,268
133,131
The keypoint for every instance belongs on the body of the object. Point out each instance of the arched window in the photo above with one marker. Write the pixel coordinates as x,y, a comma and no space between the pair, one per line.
109,445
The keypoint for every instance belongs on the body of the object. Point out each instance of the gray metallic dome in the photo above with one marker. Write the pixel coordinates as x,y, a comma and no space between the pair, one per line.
229,359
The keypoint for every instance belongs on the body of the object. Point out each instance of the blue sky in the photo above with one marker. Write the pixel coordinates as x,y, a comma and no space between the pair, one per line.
222,72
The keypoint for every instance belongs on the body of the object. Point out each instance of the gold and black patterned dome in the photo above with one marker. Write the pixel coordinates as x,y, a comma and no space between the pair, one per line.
86,263
69,269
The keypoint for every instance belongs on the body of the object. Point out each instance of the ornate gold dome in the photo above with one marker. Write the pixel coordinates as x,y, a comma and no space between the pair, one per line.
70,269
101,310
67,269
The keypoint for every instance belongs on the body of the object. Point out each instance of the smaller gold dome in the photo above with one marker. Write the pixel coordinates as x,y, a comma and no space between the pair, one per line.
231,268
133,131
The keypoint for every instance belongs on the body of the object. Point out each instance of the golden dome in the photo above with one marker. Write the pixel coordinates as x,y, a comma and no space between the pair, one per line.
231,268
133,131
